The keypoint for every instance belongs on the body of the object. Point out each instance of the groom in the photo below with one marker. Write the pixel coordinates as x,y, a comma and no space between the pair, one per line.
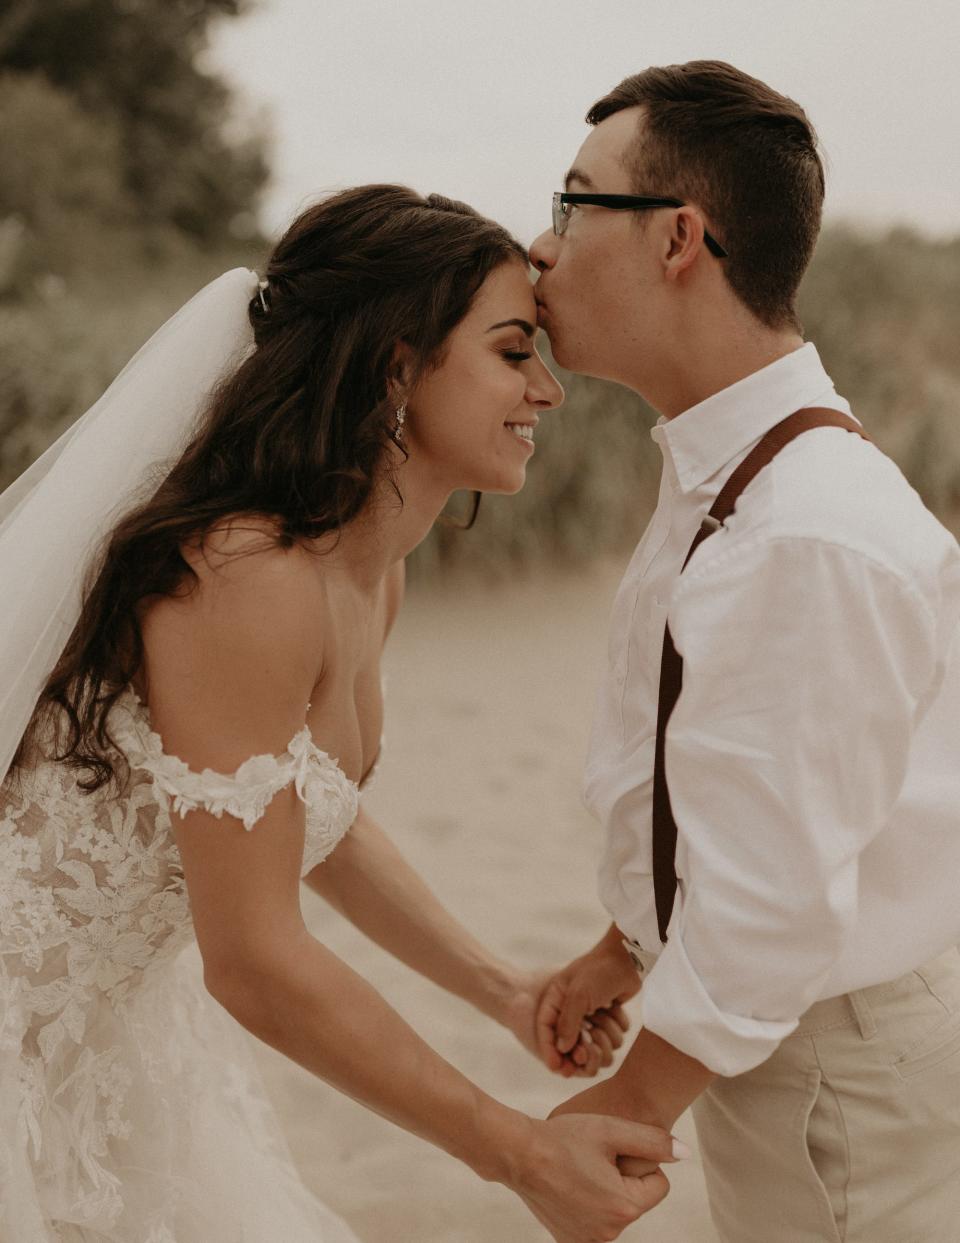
783,868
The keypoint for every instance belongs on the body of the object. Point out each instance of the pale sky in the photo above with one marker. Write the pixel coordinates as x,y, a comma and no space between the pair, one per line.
485,101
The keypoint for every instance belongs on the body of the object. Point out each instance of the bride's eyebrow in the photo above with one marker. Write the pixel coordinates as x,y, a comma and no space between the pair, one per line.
525,327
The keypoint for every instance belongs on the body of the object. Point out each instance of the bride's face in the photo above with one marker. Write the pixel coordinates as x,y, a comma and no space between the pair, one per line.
470,422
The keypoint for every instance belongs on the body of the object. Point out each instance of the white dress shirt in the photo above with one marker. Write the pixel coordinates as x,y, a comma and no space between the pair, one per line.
813,757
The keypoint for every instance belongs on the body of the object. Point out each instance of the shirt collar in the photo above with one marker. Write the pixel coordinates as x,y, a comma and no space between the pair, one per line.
702,440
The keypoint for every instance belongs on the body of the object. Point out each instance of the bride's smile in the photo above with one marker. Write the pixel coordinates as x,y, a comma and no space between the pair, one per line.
470,420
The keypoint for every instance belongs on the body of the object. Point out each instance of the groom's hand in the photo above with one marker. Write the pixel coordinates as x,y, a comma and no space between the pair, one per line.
580,1020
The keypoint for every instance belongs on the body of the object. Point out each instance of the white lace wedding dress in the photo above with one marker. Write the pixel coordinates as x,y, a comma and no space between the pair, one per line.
130,1107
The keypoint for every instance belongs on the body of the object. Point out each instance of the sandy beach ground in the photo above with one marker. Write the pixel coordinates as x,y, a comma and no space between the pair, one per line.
489,697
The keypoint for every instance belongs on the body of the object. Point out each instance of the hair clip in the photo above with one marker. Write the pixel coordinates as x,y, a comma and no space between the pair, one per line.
263,285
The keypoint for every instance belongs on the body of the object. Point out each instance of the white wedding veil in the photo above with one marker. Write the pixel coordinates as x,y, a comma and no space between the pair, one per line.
56,515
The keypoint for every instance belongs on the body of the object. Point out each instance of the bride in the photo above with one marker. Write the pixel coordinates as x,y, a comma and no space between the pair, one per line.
199,579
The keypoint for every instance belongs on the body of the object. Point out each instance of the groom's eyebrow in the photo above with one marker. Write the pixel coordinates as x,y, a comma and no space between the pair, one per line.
525,327
576,175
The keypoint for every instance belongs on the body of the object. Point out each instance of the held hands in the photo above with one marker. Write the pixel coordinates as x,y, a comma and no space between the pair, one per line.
571,1182
531,1013
580,1020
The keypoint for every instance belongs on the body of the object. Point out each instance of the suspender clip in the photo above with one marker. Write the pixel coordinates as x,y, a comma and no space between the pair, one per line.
711,524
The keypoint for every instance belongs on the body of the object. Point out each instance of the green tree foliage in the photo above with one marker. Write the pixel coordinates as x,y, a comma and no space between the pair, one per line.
132,67
61,347
119,184
63,179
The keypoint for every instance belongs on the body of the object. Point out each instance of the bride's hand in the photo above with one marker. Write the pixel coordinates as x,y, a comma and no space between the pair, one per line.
601,1030
569,1178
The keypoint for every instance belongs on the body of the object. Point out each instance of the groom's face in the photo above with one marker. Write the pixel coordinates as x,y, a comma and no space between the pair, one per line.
597,291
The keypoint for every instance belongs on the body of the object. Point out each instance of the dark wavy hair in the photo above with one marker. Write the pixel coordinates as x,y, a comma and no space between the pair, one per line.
298,434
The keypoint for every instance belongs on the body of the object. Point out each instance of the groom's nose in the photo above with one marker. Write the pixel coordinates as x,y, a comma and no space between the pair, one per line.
543,252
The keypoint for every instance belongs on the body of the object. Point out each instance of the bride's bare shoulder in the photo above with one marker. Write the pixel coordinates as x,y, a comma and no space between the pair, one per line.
247,590
231,656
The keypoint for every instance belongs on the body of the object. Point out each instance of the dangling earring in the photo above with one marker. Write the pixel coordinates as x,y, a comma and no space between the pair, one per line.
398,425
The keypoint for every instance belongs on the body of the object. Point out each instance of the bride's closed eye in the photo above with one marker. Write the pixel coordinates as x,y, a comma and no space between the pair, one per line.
516,356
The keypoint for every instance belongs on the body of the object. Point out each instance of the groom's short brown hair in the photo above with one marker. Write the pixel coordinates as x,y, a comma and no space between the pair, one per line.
714,136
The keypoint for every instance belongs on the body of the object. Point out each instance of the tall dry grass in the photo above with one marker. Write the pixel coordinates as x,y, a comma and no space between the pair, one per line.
885,314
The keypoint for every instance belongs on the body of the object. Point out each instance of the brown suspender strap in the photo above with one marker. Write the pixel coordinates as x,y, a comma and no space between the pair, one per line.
671,664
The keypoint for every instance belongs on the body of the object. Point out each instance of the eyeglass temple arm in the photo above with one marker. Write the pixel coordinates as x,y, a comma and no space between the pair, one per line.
623,202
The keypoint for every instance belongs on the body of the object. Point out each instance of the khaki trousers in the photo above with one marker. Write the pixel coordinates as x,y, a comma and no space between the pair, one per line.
850,1132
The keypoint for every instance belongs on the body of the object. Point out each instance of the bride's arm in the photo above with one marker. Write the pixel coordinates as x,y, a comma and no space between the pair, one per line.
230,667
289,990
368,881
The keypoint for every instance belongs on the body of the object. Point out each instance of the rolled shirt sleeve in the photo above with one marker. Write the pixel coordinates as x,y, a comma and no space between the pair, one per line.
806,667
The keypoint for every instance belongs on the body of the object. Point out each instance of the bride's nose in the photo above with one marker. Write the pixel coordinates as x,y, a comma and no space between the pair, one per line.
544,390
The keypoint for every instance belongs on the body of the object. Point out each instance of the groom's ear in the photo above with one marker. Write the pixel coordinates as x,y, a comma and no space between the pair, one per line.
684,241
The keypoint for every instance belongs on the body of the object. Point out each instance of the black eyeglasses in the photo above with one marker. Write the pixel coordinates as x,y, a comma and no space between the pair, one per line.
619,202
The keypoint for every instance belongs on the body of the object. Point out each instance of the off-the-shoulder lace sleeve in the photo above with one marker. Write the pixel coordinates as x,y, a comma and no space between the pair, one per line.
244,794
328,793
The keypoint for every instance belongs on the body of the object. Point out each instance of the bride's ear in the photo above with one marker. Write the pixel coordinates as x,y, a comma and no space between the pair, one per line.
400,373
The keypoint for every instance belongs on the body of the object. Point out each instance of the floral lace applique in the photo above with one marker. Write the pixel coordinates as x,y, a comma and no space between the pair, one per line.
93,907
244,794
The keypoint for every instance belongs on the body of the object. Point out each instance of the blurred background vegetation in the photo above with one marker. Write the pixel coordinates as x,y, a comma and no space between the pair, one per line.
127,184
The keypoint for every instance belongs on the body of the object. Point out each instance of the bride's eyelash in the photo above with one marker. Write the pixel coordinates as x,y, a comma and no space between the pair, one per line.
516,356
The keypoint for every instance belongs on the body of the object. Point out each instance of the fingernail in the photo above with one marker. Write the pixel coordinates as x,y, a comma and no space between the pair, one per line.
680,1150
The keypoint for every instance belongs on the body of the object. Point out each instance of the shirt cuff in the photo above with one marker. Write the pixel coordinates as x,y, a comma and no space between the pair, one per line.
675,1006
